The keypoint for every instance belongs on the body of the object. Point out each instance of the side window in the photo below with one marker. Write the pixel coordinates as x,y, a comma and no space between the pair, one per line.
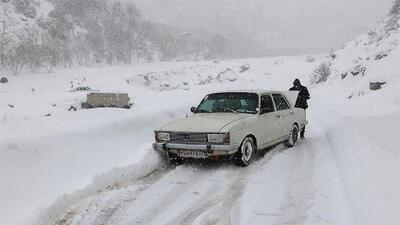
280,102
267,105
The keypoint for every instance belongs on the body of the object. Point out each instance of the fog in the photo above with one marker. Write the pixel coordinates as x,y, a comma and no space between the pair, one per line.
272,27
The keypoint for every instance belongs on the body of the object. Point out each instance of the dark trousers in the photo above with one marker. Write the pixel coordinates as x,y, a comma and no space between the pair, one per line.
304,128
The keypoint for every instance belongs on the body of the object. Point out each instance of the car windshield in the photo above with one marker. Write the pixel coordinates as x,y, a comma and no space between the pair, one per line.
235,102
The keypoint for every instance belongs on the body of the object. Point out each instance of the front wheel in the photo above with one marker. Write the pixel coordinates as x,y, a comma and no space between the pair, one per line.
246,152
294,135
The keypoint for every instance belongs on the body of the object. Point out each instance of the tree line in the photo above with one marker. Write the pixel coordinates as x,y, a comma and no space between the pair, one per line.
90,32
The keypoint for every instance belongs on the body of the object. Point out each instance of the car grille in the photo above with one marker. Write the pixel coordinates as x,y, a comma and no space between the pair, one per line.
188,137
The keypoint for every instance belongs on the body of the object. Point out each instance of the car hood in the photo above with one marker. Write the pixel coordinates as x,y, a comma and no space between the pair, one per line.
204,122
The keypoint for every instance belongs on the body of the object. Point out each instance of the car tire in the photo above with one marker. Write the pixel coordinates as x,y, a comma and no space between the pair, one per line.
293,137
246,152
174,159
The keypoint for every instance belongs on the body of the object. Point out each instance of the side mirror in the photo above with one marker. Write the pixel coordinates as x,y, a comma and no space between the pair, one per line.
193,109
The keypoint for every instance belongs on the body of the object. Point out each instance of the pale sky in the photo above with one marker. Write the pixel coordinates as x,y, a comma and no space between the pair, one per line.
272,27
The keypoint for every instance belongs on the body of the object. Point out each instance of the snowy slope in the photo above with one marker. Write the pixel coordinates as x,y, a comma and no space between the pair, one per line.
373,57
366,121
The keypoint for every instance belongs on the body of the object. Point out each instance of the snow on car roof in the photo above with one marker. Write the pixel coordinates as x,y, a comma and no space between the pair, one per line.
257,91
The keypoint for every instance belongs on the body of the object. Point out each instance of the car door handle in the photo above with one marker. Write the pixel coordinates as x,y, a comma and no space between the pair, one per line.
291,113
278,116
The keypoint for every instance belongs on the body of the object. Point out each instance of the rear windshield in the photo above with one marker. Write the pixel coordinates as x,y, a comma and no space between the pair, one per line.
236,102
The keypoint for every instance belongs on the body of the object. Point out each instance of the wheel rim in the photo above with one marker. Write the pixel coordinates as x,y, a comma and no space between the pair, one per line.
247,151
293,136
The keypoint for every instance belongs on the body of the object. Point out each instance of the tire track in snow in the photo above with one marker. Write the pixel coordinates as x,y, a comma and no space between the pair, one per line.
146,182
103,213
340,172
306,184
299,192
228,199
215,196
187,178
230,207
109,207
196,209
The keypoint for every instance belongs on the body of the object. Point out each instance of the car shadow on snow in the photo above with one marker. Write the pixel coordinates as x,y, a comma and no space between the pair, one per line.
228,162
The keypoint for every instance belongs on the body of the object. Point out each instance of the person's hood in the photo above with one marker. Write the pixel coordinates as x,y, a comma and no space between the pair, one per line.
204,122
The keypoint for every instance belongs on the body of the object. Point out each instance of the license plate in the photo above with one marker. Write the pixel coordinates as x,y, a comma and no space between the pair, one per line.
192,154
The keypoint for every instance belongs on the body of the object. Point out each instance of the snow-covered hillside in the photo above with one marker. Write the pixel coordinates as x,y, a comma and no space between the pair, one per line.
97,167
372,57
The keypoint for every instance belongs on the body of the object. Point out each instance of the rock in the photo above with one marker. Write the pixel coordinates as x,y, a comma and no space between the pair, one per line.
3,80
359,69
332,54
244,68
310,59
81,88
85,105
376,85
100,100
381,55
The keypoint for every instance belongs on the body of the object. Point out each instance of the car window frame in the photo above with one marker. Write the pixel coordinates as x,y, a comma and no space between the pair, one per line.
257,104
273,103
284,98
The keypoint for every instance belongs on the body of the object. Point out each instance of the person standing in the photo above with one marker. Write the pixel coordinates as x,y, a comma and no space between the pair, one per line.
302,98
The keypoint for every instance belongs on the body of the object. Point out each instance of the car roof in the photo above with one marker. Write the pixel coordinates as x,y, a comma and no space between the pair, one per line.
256,91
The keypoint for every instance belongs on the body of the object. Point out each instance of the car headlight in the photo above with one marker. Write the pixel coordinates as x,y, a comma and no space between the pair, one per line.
218,138
162,136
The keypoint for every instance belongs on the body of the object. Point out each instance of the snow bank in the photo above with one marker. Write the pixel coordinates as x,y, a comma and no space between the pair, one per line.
116,178
185,78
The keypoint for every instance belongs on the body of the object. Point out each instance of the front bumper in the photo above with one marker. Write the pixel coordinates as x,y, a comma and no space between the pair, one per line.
212,150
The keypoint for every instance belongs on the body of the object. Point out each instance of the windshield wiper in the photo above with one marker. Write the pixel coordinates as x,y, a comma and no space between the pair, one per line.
204,110
227,109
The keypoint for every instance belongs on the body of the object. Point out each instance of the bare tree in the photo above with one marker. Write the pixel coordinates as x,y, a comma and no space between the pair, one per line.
396,8
321,73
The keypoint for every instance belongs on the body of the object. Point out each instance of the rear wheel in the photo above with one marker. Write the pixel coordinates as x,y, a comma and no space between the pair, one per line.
246,152
294,135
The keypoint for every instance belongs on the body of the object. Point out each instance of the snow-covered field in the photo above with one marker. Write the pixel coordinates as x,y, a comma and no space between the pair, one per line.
97,167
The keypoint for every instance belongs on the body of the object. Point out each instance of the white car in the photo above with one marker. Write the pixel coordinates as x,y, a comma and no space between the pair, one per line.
234,124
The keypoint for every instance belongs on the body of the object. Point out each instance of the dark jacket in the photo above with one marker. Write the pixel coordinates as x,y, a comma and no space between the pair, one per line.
304,95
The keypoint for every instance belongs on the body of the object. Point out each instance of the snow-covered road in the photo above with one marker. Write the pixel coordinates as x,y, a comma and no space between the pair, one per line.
97,166
301,185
